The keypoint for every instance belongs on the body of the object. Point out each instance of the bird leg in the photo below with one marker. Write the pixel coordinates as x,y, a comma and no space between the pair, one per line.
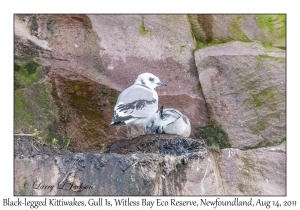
129,132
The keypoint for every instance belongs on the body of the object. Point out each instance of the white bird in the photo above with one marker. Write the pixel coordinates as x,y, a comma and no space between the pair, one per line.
138,103
169,121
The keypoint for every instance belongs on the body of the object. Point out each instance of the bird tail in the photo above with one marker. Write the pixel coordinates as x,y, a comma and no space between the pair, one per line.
119,123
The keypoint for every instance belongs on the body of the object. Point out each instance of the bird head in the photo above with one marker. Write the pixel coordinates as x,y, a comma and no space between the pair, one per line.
149,80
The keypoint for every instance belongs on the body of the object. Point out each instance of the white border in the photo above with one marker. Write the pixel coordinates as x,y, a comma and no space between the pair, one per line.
154,6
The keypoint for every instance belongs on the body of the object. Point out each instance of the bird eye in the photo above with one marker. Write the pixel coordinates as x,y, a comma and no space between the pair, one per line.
151,79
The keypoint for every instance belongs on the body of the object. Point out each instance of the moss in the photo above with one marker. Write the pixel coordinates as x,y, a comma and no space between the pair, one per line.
214,136
181,48
194,29
247,163
266,144
204,23
23,118
26,72
236,32
245,176
266,22
23,191
263,57
267,97
261,125
34,109
143,30
113,97
273,30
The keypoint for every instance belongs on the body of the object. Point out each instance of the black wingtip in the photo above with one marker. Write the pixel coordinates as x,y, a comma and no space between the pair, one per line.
120,123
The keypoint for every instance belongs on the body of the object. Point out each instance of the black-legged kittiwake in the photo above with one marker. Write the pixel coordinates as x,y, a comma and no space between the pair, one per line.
169,121
138,103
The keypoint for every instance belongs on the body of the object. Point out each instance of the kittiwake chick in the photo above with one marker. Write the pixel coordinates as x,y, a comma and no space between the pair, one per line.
169,121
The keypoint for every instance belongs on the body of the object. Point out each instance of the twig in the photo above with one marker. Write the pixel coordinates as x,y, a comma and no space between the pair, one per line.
34,146
63,179
23,134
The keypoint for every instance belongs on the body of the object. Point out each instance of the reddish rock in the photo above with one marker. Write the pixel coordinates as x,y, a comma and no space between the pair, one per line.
149,165
268,29
109,51
244,84
254,172
159,44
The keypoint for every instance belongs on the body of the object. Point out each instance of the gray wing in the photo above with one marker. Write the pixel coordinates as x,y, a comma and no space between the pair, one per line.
169,116
134,93
135,102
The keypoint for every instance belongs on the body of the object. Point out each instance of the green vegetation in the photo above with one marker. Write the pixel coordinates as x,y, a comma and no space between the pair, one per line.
236,32
23,118
273,30
262,58
67,140
247,163
266,144
103,148
143,30
33,107
266,22
268,96
23,191
35,133
261,125
113,97
26,72
205,22
181,48
214,136
54,141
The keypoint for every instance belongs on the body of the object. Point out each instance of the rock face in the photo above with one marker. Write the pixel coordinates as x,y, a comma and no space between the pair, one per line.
244,84
269,30
159,44
266,167
81,64
226,73
157,165
138,167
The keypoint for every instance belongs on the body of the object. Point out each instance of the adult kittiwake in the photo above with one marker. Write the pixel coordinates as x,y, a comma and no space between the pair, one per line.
169,121
138,103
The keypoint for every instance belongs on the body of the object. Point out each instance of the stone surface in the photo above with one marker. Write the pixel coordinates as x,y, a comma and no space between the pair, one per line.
244,84
85,61
159,44
267,29
266,167
149,165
